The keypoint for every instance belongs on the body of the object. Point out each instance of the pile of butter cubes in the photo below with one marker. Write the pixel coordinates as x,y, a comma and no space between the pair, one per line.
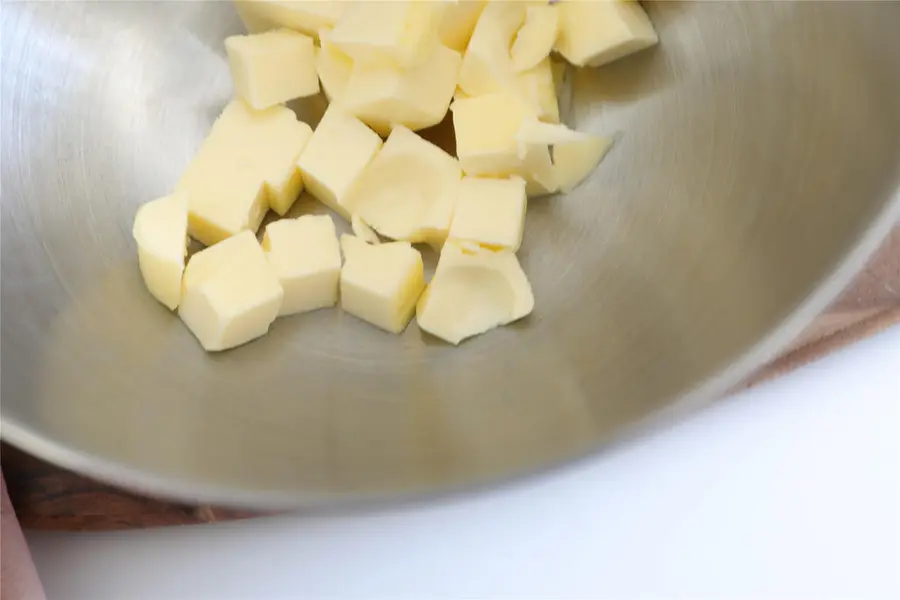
388,69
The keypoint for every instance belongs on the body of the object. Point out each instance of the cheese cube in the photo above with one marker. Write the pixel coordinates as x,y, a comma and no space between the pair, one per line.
384,96
381,283
409,190
333,67
305,16
459,22
535,39
305,256
160,231
490,212
486,127
486,65
273,67
574,161
338,152
230,294
247,163
400,33
599,32
473,290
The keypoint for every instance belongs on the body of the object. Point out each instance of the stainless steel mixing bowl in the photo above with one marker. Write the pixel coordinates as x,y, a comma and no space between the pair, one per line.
757,166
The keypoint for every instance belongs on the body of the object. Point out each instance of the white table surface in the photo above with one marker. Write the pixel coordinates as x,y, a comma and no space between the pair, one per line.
789,490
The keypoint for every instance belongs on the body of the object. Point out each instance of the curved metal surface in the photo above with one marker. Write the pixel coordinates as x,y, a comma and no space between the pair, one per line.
758,163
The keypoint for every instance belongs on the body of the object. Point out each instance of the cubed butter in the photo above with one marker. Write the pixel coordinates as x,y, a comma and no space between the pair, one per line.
490,212
535,39
362,230
473,290
385,96
601,31
337,154
458,23
381,283
409,189
305,16
486,128
537,170
486,65
333,67
246,164
272,67
533,131
306,257
574,161
230,294
400,33
160,231
536,87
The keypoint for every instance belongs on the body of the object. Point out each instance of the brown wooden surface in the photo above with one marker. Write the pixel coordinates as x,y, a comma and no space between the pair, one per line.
46,497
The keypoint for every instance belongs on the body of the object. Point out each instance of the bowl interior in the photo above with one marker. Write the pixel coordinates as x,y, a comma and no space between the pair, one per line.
755,148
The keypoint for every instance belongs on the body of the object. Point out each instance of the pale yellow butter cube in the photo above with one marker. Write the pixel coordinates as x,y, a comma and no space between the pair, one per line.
333,67
486,65
473,291
247,163
381,283
458,23
306,258
339,151
409,189
598,32
535,39
160,231
273,67
363,231
533,131
537,88
490,212
305,16
486,128
385,96
401,33
574,161
230,294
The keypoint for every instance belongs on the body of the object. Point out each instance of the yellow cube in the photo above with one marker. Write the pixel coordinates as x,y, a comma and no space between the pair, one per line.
273,67
459,22
338,152
599,32
487,66
333,67
408,191
381,283
400,33
230,294
473,290
247,163
305,16
306,258
486,128
384,96
160,231
490,212
535,39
